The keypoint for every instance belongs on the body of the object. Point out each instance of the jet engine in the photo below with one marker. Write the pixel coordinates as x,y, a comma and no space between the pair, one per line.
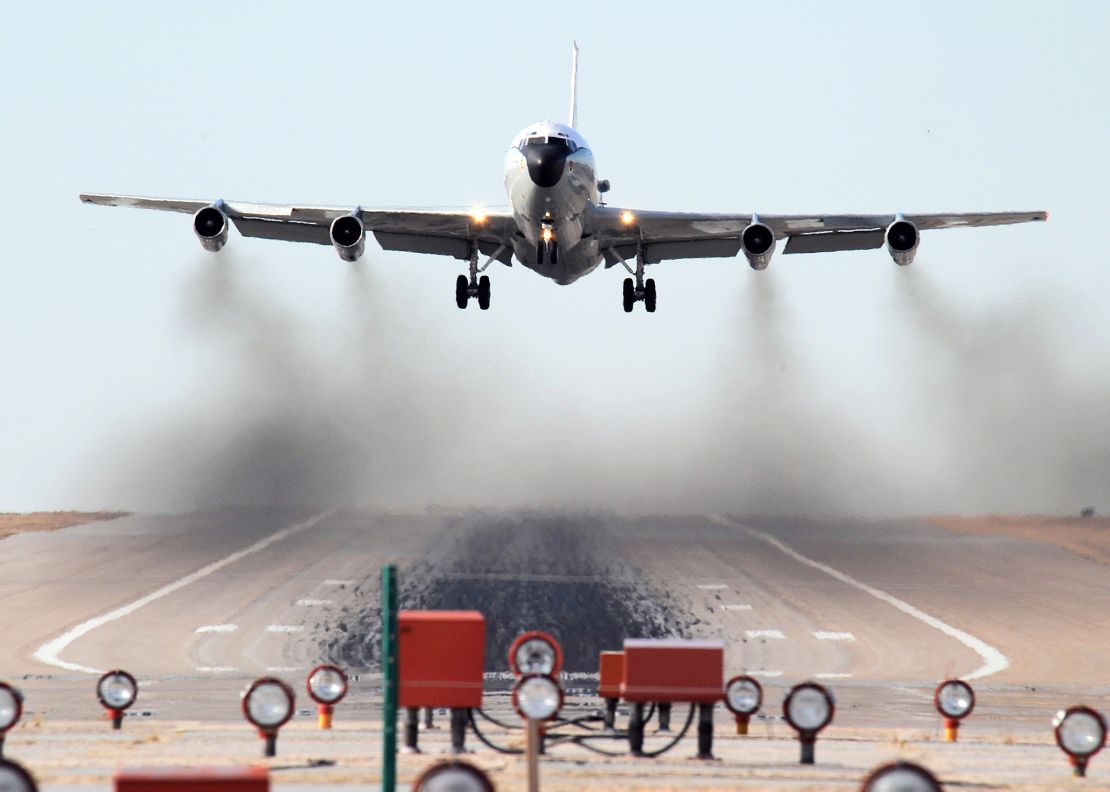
349,237
758,241
210,225
902,240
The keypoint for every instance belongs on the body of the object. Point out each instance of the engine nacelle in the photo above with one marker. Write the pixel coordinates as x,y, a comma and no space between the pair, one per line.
210,225
758,241
348,234
902,240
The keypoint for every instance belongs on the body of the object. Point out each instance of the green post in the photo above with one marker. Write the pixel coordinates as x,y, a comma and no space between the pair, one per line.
389,678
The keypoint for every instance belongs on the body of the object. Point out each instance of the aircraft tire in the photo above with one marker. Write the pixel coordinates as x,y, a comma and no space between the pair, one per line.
483,292
649,295
462,291
629,295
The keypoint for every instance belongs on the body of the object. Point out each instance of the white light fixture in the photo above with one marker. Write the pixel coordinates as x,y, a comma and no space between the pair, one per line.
268,705
117,690
535,652
537,697
900,777
954,700
808,709
453,776
743,697
326,685
11,710
14,778
1080,733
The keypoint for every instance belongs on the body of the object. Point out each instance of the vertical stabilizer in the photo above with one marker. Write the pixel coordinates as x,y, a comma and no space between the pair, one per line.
574,86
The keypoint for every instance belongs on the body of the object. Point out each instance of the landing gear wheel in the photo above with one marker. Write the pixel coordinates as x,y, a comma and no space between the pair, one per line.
629,295
483,292
540,248
554,253
649,295
462,291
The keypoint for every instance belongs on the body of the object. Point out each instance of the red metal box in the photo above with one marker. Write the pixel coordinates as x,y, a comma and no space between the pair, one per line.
672,669
194,779
610,672
442,656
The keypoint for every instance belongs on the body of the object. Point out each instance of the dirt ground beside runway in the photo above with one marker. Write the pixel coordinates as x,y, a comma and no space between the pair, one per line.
12,523
1087,537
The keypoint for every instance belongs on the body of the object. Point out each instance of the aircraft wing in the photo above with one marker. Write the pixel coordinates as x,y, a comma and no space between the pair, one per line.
446,232
674,235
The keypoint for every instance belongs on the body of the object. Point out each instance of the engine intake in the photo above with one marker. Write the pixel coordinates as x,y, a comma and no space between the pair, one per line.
758,241
210,225
349,237
902,240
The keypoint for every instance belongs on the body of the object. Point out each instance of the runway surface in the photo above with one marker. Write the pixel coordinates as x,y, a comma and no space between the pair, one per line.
197,604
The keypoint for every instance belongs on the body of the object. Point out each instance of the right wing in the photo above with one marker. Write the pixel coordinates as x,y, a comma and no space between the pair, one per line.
447,232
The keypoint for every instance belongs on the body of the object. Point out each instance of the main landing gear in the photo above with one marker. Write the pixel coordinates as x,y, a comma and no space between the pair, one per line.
465,287
638,289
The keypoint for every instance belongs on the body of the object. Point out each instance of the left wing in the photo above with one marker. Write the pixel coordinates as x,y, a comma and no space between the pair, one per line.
448,232
674,235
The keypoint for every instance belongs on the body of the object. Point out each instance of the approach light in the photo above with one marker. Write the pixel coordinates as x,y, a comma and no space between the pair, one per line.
537,697
11,710
117,690
535,652
743,697
954,700
14,778
628,218
326,685
454,776
1080,733
478,215
268,705
808,709
900,777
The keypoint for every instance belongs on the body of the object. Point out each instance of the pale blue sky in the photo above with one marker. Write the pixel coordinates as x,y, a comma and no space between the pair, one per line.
141,373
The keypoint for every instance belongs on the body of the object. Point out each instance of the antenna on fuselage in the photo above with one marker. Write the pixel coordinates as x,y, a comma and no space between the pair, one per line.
573,86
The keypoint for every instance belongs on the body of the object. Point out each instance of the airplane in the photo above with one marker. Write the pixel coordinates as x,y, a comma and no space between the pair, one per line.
558,225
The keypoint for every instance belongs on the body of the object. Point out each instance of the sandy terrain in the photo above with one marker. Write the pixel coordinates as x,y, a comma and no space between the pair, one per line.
1088,537
14,523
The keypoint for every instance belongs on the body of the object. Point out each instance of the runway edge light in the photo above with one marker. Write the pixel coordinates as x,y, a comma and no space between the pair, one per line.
15,778
808,708
743,697
268,705
535,652
900,777
536,698
1080,733
454,775
954,700
11,710
327,686
117,691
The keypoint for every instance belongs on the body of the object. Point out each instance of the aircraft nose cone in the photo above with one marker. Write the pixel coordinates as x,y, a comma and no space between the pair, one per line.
546,164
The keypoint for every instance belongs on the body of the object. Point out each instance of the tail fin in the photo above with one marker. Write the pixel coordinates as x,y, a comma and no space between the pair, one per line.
574,86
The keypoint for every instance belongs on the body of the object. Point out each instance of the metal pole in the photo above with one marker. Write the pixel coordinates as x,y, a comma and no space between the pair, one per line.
271,745
389,678
705,731
636,730
664,716
412,723
808,745
1,746
610,713
533,755
459,717
429,720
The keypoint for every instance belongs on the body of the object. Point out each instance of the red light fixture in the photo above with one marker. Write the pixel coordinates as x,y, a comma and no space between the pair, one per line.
117,691
954,700
268,705
11,710
743,697
326,685
808,709
535,652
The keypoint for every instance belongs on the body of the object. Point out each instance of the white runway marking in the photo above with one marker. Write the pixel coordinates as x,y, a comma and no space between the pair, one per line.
285,628
312,603
820,635
768,674
993,660
215,669
283,670
712,586
776,634
339,582
217,628
832,676
736,607
50,652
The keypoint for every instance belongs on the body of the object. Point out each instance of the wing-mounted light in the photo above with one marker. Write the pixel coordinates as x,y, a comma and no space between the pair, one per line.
902,240
348,234
758,241
210,225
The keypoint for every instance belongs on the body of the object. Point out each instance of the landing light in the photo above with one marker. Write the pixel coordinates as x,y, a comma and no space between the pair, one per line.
537,697
11,709
117,690
327,685
743,697
954,700
627,217
478,215
268,705
547,233
1080,733
900,777
453,777
808,709
14,778
535,652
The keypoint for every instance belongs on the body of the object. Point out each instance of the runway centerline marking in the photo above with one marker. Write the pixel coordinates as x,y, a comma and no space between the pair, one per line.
993,660
217,628
776,634
50,652
822,635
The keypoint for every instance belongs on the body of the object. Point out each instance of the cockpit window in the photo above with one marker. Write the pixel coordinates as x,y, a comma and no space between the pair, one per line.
550,140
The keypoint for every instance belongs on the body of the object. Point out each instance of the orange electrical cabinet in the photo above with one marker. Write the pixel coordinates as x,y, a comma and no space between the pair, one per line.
442,657
610,672
673,670
193,779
